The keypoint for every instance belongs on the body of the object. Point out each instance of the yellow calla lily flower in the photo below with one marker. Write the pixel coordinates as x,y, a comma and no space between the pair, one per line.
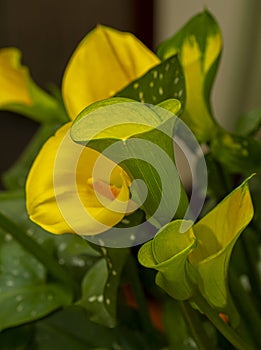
20,94
105,62
62,193
13,78
55,190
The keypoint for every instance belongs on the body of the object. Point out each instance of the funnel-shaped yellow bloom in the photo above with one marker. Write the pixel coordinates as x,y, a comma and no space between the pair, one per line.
64,193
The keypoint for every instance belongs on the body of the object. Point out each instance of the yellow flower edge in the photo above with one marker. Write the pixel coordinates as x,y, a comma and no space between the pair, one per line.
104,62
14,78
63,196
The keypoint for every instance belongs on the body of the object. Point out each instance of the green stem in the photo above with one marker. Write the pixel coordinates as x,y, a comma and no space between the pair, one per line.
139,295
249,249
30,245
223,328
247,309
195,326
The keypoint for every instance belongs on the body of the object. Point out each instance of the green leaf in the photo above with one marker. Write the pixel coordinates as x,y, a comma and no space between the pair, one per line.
25,294
16,338
167,253
179,338
100,286
139,137
238,154
71,329
72,251
198,45
249,123
15,177
162,82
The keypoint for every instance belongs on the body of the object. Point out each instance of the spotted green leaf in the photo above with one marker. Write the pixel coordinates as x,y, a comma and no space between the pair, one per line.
198,45
162,82
100,286
24,283
25,294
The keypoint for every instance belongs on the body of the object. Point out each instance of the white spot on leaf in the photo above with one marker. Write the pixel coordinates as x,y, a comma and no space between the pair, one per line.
20,308
8,237
10,283
161,91
100,298
62,246
92,298
78,261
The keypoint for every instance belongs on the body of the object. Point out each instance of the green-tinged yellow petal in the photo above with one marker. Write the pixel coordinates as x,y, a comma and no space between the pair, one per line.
199,45
72,188
167,253
104,62
216,234
196,66
13,78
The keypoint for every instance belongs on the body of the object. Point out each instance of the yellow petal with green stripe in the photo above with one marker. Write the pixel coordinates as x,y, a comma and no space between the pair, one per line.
199,45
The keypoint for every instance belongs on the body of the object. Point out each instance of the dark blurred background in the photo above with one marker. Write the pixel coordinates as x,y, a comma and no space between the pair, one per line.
47,32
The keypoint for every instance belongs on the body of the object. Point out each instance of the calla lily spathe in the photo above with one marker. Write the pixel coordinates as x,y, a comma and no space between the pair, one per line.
20,94
104,62
198,258
52,194
13,79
